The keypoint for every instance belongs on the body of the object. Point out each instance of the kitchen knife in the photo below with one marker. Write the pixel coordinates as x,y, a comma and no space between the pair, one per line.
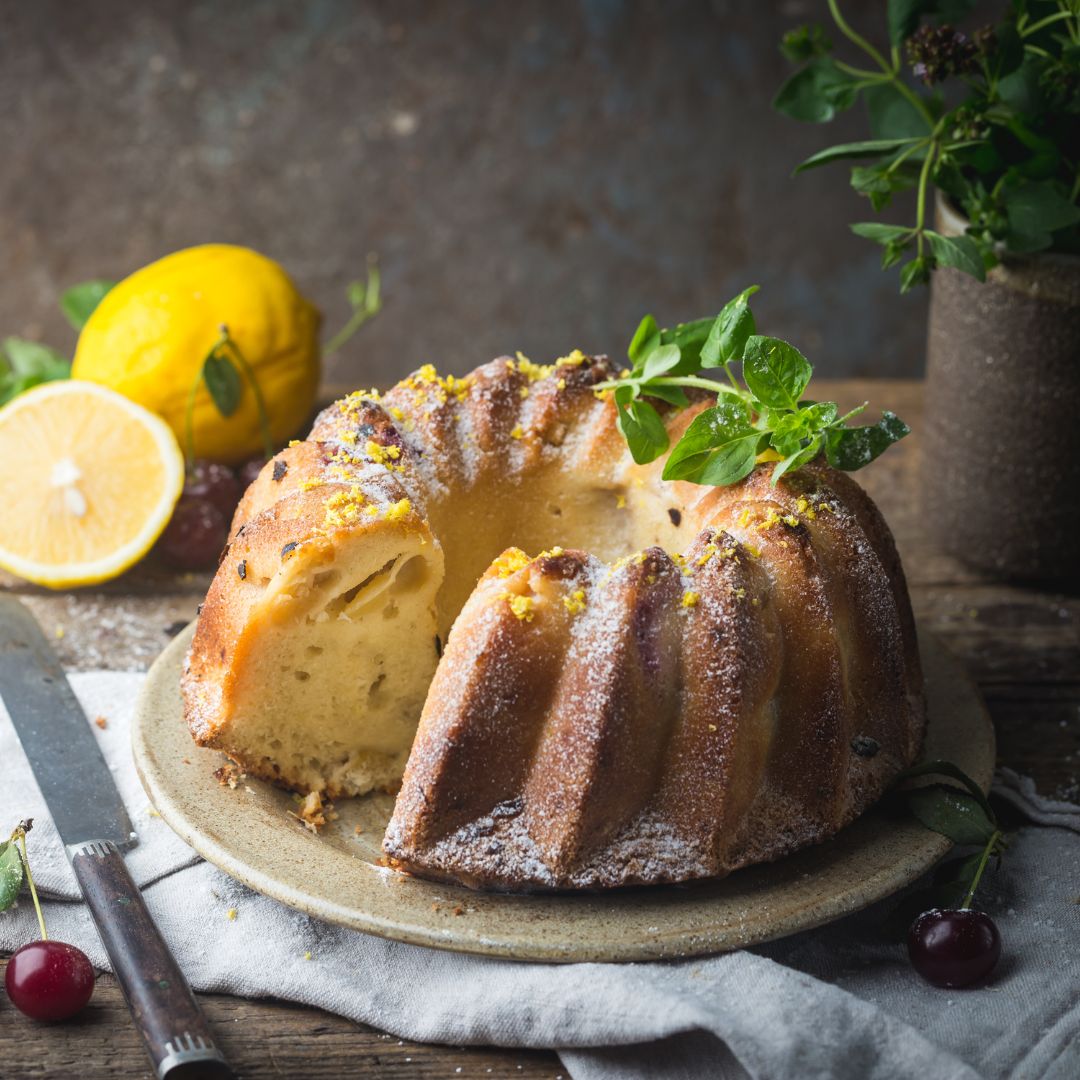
94,826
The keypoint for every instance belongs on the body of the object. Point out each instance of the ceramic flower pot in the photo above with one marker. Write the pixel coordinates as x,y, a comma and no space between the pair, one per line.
1001,434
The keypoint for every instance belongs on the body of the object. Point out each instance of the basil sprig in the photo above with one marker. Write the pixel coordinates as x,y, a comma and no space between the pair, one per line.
766,411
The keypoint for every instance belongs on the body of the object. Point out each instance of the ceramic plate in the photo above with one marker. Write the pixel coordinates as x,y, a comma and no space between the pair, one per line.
247,831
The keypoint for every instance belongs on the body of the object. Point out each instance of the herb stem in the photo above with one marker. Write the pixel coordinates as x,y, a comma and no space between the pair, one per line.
920,205
189,420
20,836
860,73
1034,28
680,380
857,39
906,154
991,844
260,403
372,304
891,71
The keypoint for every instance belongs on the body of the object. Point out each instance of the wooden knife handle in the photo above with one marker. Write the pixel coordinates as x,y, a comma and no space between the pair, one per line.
173,1027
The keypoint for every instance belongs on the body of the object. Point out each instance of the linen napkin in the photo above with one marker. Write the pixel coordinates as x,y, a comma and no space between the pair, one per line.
836,1002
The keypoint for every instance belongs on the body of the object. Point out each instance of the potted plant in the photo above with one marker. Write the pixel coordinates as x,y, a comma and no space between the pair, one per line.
990,122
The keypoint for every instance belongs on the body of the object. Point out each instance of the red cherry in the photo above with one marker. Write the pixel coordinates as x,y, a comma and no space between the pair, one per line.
954,948
195,535
49,980
215,483
249,471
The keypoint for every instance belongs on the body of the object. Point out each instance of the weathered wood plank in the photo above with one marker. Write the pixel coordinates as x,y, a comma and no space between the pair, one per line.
262,1039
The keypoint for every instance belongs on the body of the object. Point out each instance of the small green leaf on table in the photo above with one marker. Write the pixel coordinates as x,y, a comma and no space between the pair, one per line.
78,302
951,812
11,874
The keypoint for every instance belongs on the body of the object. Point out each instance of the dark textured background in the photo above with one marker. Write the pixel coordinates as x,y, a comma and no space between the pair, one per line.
533,175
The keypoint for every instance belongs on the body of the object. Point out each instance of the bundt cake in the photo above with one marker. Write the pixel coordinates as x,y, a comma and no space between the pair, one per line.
593,718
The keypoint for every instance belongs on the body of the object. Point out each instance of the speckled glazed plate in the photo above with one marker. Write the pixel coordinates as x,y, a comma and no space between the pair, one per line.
247,831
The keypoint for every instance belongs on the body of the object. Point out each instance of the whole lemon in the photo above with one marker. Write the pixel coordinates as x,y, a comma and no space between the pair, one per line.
152,332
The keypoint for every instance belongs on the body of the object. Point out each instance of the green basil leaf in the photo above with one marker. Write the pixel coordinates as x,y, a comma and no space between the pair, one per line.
690,337
958,251
850,448
11,874
643,430
891,115
775,372
716,447
1039,208
867,148
223,381
915,272
804,43
881,233
953,813
78,302
894,253
797,459
729,331
878,184
673,395
816,93
660,361
31,358
646,338
727,462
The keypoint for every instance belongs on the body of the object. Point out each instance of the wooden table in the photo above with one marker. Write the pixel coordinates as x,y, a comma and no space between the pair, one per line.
1020,645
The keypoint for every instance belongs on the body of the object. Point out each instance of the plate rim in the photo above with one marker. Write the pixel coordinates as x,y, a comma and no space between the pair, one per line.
925,849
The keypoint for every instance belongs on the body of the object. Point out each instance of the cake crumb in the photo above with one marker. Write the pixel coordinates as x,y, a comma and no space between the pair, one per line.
312,815
102,722
229,775
231,914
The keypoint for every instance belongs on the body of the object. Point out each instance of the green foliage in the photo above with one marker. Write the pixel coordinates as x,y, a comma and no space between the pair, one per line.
722,443
25,364
78,302
11,873
1002,142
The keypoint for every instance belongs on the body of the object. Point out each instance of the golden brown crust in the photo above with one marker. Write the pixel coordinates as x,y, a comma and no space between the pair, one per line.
652,718
749,702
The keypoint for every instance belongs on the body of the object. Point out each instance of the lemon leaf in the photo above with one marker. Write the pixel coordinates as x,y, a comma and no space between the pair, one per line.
11,874
223,381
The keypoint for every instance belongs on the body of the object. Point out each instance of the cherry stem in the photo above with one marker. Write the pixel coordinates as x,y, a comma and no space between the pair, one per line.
264,420
189,422
991,844
19,835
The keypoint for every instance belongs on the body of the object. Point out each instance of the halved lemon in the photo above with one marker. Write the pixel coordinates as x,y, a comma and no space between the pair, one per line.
88,480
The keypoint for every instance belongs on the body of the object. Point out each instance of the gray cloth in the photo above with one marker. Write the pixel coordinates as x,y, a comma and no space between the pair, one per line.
837,1002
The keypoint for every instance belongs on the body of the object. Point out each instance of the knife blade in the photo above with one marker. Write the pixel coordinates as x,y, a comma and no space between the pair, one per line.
90,817
67,762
